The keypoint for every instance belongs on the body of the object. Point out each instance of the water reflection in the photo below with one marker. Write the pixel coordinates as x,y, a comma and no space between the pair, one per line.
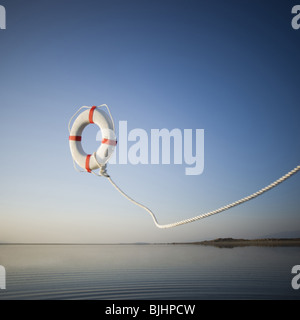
147,272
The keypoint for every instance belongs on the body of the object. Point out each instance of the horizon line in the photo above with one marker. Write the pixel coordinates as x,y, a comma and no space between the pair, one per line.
148,243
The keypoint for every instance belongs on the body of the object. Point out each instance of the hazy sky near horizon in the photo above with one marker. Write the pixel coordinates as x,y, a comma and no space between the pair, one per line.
228,67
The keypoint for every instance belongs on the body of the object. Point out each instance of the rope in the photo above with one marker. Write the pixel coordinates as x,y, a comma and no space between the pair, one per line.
210,213
103,173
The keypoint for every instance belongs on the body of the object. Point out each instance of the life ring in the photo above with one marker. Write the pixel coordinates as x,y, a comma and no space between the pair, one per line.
99,158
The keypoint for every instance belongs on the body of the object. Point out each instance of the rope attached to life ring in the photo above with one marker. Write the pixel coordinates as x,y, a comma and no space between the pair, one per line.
210,213
185,221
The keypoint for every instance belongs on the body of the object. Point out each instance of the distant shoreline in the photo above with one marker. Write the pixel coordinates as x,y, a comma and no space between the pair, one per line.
231,242
219,242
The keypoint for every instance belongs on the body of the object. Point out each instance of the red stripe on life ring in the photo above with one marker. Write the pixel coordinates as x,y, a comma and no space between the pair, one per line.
91,114
75,138
87,163
110,142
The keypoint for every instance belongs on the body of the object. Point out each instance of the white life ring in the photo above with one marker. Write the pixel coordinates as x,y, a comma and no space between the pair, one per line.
99,158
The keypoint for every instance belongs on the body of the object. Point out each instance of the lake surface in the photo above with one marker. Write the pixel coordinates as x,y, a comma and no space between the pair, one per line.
178,272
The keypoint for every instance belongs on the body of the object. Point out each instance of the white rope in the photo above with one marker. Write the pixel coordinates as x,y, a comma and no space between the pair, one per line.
201,216
210,213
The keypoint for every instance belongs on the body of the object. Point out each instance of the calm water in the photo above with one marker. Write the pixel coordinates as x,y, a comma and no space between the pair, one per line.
148,272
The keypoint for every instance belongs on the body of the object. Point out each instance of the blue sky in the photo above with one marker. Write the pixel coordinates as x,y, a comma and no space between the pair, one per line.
231,68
